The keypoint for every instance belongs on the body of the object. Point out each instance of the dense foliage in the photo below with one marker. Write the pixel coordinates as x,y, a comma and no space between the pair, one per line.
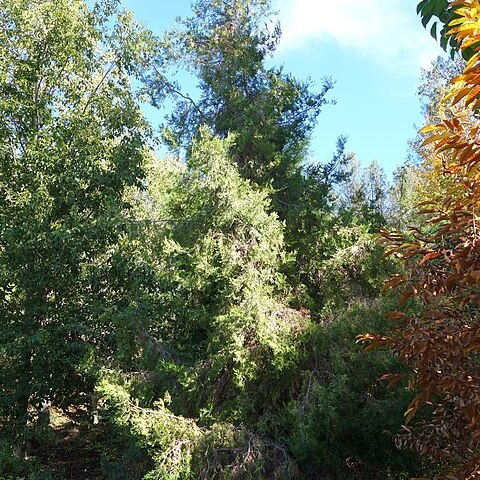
194,316
440,343
72,141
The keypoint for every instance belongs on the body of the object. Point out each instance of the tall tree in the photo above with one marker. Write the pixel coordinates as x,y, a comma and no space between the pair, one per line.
71,141
226,45
434,86
218,251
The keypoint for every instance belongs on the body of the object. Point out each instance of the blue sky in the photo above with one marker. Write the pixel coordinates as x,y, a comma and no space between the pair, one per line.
373,49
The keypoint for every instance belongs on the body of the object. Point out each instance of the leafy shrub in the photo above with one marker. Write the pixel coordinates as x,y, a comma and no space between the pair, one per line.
343,418
182,450
13,468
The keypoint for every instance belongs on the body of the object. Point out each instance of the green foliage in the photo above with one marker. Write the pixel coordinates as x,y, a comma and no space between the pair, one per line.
218,253
354,267
343,418
434,83
362,198
181,450
332,233
225,45
444,12
404,195
72,140
133,464
13,468
271,115
10,466
168,285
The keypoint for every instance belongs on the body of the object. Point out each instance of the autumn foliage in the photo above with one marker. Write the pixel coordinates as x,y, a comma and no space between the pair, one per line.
441,345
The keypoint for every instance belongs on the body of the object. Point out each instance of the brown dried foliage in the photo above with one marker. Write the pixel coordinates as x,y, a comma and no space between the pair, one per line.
441,346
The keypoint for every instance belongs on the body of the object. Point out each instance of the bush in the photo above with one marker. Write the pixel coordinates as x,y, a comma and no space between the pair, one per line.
182,450
343,418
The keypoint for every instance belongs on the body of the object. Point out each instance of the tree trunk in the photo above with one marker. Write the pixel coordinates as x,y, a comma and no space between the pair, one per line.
23,401
44,413
94,402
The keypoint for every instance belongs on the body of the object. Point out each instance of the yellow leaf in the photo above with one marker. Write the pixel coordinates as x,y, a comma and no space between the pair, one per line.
431,128
473,169
460,94
472,63
436,138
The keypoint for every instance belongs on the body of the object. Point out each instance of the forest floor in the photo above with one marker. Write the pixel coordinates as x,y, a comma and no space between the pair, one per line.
74,448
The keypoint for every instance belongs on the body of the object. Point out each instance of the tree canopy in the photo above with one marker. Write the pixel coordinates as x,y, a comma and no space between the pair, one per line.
72,140
440,344
193,314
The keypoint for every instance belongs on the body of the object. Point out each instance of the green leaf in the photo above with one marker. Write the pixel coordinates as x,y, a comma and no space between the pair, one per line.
443,41
421,5
426,19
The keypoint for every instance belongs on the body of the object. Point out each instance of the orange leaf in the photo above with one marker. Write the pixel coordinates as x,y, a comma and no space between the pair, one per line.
430,256
404,298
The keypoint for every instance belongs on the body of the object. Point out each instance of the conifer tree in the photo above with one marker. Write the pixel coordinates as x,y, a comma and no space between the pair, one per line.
225,45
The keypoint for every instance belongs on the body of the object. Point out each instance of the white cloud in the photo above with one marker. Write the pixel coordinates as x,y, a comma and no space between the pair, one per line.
387,31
